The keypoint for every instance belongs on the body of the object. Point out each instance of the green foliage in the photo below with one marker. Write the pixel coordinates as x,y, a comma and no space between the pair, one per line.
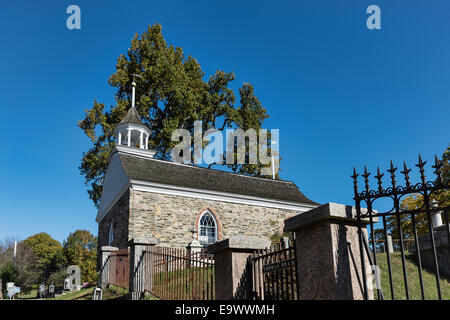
80,248
172,95
47,253
57,278
379,235
8,273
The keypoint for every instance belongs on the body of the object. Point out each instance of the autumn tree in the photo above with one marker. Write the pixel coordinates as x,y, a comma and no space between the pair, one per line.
171,95
80,248
47,253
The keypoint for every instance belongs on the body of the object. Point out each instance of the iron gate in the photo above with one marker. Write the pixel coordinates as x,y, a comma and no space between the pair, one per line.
275,273
408,223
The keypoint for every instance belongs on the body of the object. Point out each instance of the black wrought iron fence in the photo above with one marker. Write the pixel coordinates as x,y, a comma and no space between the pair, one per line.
420,224
274,272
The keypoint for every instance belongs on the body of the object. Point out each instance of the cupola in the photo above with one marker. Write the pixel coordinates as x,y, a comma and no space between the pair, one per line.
131,131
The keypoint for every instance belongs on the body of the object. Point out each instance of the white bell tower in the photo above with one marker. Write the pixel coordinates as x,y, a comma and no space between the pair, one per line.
131,131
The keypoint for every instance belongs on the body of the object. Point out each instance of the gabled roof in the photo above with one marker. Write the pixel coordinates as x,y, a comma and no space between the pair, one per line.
189,176
132,116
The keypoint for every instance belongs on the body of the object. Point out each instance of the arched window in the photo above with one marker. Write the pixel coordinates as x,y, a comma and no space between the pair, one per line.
111,233
207,228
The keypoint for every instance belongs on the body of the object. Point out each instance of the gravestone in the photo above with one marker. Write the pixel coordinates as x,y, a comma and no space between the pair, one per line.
12,291
389,245
51,290
67,284
9,285
98,294
41,291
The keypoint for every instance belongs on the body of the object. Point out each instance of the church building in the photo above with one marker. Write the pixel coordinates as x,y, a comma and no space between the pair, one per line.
176,203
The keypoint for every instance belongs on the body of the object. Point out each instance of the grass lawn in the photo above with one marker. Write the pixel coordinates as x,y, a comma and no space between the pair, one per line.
188,283
110,293
429,280
74,295
30,295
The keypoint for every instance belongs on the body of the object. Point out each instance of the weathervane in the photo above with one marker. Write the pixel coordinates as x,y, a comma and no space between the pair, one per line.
133,84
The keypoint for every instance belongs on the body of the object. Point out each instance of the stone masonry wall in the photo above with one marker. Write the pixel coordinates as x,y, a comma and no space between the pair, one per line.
119,213
170,218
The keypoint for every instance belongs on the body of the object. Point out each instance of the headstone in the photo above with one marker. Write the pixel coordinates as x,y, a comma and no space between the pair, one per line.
51,290
389,245
67,284
437,219
12,291
98,294
41,291
9,285
286,242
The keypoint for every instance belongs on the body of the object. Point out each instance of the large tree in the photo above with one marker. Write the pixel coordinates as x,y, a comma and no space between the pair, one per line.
47,253
172,95
80,248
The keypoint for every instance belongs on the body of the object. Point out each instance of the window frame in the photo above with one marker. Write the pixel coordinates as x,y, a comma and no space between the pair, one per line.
111,233
209,213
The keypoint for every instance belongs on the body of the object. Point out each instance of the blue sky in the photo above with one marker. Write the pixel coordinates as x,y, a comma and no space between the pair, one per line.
341,95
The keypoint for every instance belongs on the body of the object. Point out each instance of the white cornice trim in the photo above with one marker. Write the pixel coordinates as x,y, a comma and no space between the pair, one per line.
136,151
219,196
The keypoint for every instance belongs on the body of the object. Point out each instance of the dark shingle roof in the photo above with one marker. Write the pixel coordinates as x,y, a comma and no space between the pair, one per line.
132,116
166,172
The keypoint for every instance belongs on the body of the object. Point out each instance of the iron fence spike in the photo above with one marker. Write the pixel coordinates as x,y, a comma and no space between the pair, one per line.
405,172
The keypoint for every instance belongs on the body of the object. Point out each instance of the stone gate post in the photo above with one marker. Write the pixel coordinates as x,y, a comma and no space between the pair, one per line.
138,266
104,269
232,275
328,256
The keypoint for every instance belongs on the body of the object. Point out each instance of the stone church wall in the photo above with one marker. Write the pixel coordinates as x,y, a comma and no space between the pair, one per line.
170,218
119,213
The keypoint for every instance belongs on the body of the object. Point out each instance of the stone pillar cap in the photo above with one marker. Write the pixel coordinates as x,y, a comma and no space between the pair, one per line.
109,248
194,244
328,211
239,243
143,241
